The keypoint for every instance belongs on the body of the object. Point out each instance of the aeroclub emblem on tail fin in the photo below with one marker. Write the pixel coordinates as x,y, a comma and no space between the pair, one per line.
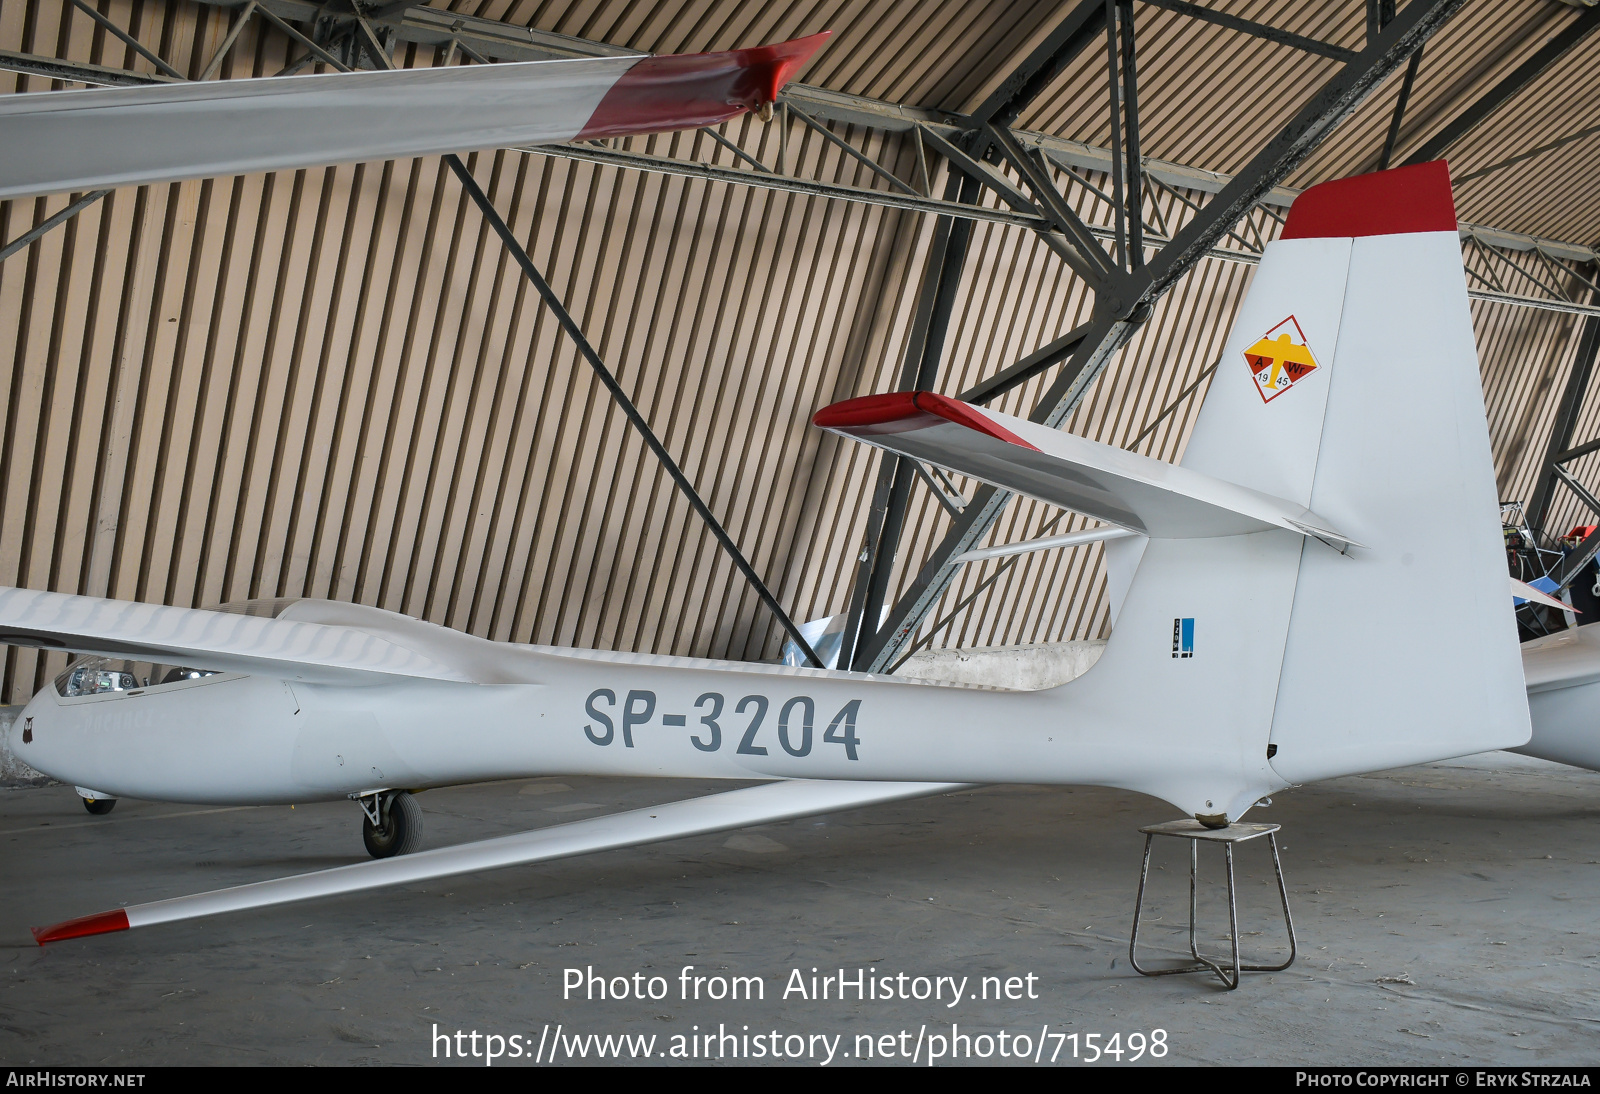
1280,359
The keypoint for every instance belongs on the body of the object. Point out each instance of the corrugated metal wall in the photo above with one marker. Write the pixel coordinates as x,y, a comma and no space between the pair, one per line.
333,383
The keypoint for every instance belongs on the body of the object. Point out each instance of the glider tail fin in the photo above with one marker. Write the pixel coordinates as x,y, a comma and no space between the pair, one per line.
1338,473
1350,385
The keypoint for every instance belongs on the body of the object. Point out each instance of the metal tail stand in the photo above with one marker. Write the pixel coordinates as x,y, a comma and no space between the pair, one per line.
1194,832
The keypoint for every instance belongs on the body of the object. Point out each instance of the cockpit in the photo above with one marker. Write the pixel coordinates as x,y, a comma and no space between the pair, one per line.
102,675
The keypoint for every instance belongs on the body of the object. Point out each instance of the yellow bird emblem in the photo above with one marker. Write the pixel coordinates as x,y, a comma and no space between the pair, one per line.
1280,359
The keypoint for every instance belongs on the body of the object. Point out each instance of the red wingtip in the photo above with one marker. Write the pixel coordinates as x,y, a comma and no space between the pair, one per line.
688,90
903,411
1405,199
99,923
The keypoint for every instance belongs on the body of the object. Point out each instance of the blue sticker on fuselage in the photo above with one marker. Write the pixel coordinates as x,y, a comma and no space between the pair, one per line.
1183,638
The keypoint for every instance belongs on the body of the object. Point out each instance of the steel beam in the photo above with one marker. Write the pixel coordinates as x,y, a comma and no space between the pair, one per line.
1256,30
609,381
519,254
45,225
1523,157
1334,102
770,180
1525,73
1049,59
1052,353
1581,450
1566,422
941,280
127,39
1399,114
1133,171
1115,319
77,72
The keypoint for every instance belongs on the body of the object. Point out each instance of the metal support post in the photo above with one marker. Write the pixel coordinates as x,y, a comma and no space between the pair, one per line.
1118,202
575,332
940,282
514,247
1380,13
1400,109
127,39
923,351
1233,834
1571,406
1255,30
1133,173
45,225
1119,314
1525,73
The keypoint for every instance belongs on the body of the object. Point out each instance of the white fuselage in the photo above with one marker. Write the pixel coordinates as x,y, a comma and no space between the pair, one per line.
233,738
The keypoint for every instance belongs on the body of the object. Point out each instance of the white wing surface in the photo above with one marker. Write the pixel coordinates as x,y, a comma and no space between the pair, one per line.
1144,495
280,648
85,140
696,816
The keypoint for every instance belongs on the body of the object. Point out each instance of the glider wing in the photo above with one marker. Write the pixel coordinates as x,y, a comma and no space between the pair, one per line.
87,140
221,641
675,820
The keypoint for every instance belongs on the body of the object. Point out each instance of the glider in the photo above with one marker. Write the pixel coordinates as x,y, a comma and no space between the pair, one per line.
1243,659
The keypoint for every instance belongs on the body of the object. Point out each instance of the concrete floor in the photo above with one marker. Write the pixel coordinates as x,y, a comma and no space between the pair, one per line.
1445,913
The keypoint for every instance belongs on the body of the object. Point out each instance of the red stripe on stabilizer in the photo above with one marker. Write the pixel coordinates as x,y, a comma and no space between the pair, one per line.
903,411
99,923
688,90
1406,199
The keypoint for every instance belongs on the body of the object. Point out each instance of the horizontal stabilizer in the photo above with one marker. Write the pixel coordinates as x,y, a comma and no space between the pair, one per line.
1144,495
88,140
675,820
221,641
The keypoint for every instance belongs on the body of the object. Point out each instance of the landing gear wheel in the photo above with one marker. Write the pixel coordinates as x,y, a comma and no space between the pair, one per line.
99,806
401,831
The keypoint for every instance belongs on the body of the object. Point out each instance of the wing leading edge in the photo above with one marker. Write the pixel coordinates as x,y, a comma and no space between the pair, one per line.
87,140
1144,495
763,804
281,648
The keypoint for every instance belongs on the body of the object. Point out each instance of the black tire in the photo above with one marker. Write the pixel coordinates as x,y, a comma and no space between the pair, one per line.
401,833
99,806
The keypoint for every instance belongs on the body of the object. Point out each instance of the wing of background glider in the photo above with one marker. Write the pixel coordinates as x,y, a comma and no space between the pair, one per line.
1147,496
1562,660
280,648
696,816
87,140
1522,592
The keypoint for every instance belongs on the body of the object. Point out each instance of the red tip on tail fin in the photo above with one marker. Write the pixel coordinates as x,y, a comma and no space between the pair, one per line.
1405,199
903,411
99,923
688,90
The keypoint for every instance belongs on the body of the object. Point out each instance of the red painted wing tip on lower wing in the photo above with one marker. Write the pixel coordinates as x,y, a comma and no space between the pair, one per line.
99,923
1406,199
689,90
903,411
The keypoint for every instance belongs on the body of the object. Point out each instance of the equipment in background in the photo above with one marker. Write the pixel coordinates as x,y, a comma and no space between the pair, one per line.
1585,588
1533,556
